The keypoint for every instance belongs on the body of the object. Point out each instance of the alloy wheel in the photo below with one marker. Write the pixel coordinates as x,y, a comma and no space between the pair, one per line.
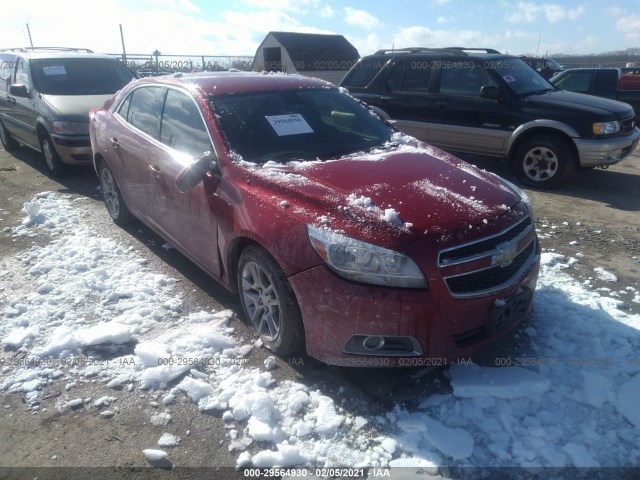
261,300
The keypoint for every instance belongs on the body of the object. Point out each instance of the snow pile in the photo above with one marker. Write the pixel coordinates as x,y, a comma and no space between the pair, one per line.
569,397
605,275
89,291
365,203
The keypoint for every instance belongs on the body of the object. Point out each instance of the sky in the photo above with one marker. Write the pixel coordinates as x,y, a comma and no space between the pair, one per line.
195,27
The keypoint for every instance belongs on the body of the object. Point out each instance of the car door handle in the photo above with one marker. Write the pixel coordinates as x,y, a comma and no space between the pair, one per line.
155,169
114,143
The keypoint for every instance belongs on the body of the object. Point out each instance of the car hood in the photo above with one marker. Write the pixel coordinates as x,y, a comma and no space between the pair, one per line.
578,102
413,188
75,108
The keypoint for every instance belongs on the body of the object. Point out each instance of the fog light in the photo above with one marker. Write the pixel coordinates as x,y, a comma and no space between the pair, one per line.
373,343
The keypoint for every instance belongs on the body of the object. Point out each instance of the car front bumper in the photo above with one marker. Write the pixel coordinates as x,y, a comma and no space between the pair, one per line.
73,150
403,328
596,153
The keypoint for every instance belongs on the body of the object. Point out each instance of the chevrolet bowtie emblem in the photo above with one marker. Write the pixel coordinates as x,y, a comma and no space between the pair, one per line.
505,253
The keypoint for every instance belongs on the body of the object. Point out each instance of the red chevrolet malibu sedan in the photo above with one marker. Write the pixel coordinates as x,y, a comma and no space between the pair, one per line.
339,234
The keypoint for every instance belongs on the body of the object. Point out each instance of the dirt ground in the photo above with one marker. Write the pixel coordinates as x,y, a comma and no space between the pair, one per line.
596,216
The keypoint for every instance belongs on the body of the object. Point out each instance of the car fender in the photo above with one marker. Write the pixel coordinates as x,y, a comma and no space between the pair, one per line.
544,124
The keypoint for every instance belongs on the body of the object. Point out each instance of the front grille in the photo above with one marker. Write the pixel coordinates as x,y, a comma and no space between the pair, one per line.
85,157
490,278
453,255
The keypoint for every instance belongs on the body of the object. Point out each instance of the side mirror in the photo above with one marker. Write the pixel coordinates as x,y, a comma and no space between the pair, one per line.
193,174
491,92
19,90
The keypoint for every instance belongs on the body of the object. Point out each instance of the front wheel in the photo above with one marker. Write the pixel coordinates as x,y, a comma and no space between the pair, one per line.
113,198
269,303
543,161
8,142
52,161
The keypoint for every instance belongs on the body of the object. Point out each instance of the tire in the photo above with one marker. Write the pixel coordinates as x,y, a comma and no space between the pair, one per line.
113,200
50,157
269,303
543,161
8,142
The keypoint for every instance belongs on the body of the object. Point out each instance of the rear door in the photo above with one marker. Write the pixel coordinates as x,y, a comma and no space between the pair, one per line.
462,120
133,145
408,100
186,219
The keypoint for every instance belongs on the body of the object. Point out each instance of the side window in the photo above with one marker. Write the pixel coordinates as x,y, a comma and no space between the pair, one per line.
182,126
576,81
463,80
7,66
416,75
145,109
394,79
363,72
22,72
123,111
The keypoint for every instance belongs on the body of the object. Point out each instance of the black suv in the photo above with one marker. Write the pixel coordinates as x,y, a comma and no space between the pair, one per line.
480,101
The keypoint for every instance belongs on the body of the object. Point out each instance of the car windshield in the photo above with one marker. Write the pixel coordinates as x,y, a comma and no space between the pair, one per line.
79,76
303,124
520,77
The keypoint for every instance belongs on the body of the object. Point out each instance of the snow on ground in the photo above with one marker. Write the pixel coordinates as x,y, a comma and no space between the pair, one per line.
570,398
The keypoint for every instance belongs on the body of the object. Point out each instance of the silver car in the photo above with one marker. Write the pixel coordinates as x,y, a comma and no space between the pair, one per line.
45,98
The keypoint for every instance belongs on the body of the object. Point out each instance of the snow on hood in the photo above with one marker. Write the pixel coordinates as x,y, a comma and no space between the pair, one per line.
405,185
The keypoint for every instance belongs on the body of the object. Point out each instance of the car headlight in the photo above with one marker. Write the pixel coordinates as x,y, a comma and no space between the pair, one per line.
364,262
71,128
523,197
606,128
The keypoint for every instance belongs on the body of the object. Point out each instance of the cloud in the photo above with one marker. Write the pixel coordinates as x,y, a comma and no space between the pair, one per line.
616,11
281,5
523,12
361,18
442,20
171,26
326,11
426,37
574,13
529,12
553,12
367,45
629,26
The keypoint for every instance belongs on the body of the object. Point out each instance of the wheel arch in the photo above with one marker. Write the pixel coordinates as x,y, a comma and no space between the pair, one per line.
238,245
542,127
41,130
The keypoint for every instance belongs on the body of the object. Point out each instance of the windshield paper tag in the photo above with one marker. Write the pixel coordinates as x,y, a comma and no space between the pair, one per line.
54,70
292,124
509,78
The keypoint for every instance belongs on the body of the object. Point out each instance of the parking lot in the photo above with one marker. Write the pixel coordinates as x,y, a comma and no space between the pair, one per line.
594,220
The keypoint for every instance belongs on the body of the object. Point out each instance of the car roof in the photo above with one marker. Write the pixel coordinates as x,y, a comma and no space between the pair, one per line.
216,83
448,52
